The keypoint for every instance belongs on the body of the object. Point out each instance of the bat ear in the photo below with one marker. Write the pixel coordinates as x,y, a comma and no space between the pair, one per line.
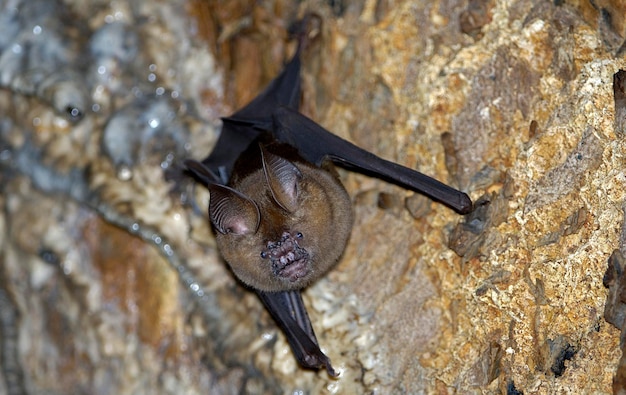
232,212
282,178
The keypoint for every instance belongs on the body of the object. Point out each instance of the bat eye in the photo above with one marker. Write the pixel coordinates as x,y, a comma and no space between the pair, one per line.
299,235
263,255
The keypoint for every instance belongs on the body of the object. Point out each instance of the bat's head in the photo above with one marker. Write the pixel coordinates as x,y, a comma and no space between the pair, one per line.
283,225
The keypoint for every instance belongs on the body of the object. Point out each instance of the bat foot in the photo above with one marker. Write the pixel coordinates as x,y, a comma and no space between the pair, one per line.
306,29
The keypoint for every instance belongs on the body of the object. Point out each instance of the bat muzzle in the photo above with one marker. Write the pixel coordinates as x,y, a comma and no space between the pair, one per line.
288,259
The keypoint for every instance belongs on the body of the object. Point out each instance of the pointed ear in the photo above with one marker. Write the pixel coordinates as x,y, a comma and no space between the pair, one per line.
232,212
283,178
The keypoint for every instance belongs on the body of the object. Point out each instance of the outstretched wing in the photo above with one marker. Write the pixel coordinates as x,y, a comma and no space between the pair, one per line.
315,144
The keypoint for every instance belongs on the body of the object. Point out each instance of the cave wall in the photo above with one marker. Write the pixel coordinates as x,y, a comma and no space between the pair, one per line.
111,282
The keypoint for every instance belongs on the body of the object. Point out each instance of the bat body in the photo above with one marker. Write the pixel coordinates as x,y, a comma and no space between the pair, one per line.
281,219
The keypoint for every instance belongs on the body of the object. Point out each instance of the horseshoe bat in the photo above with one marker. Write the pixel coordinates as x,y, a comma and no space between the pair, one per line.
281,216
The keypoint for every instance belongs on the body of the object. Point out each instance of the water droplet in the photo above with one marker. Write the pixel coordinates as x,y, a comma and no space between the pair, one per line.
124,173
37,30
74,113
154,123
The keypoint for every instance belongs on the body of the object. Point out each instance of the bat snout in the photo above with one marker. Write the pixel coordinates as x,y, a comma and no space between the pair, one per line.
288,259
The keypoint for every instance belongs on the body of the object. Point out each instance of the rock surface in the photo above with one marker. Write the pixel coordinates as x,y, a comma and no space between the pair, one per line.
110,282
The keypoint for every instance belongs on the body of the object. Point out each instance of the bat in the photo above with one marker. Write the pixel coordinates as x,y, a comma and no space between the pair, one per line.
281,216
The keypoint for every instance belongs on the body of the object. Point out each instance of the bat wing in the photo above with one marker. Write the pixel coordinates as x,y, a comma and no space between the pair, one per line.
287,309
317,144
243,127
275,111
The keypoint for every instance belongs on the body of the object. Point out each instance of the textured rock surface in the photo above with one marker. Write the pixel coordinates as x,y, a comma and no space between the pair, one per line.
110,282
